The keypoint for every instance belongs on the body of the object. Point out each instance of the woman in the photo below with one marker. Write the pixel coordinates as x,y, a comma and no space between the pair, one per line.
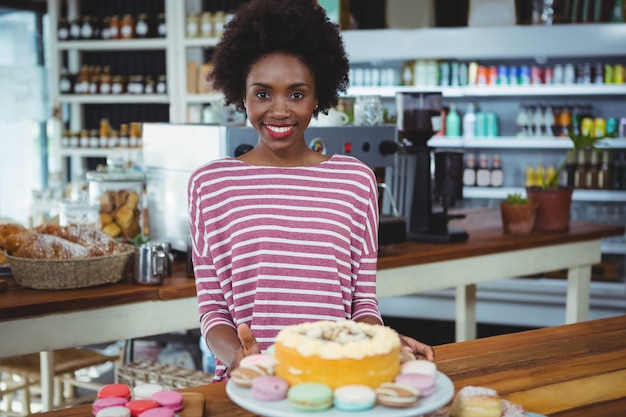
282,234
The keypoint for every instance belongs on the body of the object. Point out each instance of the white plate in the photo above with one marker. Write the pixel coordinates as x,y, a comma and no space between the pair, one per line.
529,414
444,390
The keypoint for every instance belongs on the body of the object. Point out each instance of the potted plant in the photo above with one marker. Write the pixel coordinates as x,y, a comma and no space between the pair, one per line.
554,200
518,214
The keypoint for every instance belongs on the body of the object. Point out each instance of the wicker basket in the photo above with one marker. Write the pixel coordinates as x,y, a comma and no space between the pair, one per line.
64,274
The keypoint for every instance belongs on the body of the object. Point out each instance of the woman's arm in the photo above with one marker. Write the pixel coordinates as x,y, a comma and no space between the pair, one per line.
230,346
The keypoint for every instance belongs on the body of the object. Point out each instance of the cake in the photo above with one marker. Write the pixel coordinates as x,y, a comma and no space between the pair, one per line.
338,353
473,401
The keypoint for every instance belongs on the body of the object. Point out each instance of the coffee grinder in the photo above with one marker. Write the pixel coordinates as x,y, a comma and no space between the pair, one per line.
418,119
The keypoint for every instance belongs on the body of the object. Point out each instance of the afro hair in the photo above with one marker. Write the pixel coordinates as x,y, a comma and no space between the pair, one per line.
296,27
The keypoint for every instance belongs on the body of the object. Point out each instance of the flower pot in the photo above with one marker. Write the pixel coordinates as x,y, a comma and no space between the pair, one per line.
518,219
553,213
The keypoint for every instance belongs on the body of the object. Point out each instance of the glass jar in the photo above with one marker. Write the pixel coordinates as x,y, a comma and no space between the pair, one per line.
142,27
118,85
206,24
127,27
219,20
114,27
63,29
86,29
79,211
161,86
192,27
118,191
161,27
368,111
75,27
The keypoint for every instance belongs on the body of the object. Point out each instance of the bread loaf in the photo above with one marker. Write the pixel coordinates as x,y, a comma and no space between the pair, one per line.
42,246
98,243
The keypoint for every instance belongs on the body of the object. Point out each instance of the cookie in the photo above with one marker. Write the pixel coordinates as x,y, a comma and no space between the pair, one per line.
169,399
354,398
396,395
267,362
425,384
115,411
269,388
310,396
243,376
419,366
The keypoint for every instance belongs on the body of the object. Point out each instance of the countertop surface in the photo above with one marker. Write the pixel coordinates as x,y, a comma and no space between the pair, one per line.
575,370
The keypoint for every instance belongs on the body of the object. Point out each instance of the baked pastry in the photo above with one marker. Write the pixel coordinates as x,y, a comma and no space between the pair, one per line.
98,243
310,396
337,353
509,409
40,246
425,384
473,401
392,394
13,242
269,388
354,398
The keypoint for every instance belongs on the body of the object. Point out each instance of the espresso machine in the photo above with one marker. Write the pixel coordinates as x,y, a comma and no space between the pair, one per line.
418,119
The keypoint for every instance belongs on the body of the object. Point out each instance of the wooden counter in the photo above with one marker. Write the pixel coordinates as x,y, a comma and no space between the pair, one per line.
576,370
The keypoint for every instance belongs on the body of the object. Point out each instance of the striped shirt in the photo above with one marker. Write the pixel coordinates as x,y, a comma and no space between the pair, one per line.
277,246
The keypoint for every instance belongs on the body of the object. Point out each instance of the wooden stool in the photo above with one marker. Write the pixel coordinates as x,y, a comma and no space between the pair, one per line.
23,374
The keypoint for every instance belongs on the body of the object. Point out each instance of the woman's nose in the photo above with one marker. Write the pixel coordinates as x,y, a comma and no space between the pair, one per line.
280,107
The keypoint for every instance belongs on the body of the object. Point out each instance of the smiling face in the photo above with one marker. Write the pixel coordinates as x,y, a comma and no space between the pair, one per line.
280,100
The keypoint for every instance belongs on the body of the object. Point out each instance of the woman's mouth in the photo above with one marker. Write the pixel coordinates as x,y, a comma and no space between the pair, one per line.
279,132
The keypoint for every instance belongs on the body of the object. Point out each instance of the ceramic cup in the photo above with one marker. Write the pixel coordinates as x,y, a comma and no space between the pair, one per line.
333,118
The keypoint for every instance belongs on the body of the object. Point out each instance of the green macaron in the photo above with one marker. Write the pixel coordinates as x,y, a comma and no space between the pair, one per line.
310,396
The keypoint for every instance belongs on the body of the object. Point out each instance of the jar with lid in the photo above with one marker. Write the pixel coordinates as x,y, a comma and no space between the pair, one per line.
65,138
135,84
63,29
206,24
105,81
192,27
94,80
134,137
114,27
104,133
118,191
124,136
219,20
65,82
142,27
149,86
86,29
127,27
94,138
105,29
161,86
75,27
161,27
118,85
84,139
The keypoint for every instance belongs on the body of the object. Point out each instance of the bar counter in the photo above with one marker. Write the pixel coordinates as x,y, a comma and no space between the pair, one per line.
575,370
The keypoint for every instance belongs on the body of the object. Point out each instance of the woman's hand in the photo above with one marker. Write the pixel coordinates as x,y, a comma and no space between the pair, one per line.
418,349
249,346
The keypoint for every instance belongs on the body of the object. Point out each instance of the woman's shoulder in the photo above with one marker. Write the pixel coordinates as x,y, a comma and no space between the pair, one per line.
347,162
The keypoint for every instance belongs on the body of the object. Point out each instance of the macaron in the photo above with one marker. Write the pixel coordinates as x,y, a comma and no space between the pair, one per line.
158,412
101,403
173,400
243,376
267,362
354,398
392,394
270,349
145,391
425,384
310,396
137,407
116,411
419,366
114,390
269,388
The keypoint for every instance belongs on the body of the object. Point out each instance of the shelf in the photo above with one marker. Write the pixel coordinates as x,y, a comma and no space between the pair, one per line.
607,196
497,91
512,142
476,43
113,45
98,152
203,98
614,248
113,99
200,42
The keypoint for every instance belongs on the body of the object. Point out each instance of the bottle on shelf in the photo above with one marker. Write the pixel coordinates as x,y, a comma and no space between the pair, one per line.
124,139
65,138
469,172
149,86
81,86
161,26
142,26
114,139
469,122
75,29
531,177
521,122
135,135
549,122
206,24
94,138
105,130
453,122
63,29
65,82
105,80
581,170
94,80
161,85
127,27
483,174
86,29
497,175
569,172
540,174
591,176
564,123
84,139
219,20
604,173
114,27
192,28
538,122
118,85
105,29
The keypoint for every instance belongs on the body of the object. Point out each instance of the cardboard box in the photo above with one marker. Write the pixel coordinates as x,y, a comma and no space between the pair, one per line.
204,86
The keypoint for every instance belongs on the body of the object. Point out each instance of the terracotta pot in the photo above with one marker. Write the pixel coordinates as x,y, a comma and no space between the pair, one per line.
553,213
518,219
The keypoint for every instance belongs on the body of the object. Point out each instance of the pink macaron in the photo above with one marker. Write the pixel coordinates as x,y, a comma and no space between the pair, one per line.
169,399
269,388
419,366
158,412
114,390
101,403
424,383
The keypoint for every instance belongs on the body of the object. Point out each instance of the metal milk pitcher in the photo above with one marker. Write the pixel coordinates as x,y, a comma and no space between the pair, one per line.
150,265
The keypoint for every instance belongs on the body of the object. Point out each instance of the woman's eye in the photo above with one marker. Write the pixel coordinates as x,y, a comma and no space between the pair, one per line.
262,94
297,95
